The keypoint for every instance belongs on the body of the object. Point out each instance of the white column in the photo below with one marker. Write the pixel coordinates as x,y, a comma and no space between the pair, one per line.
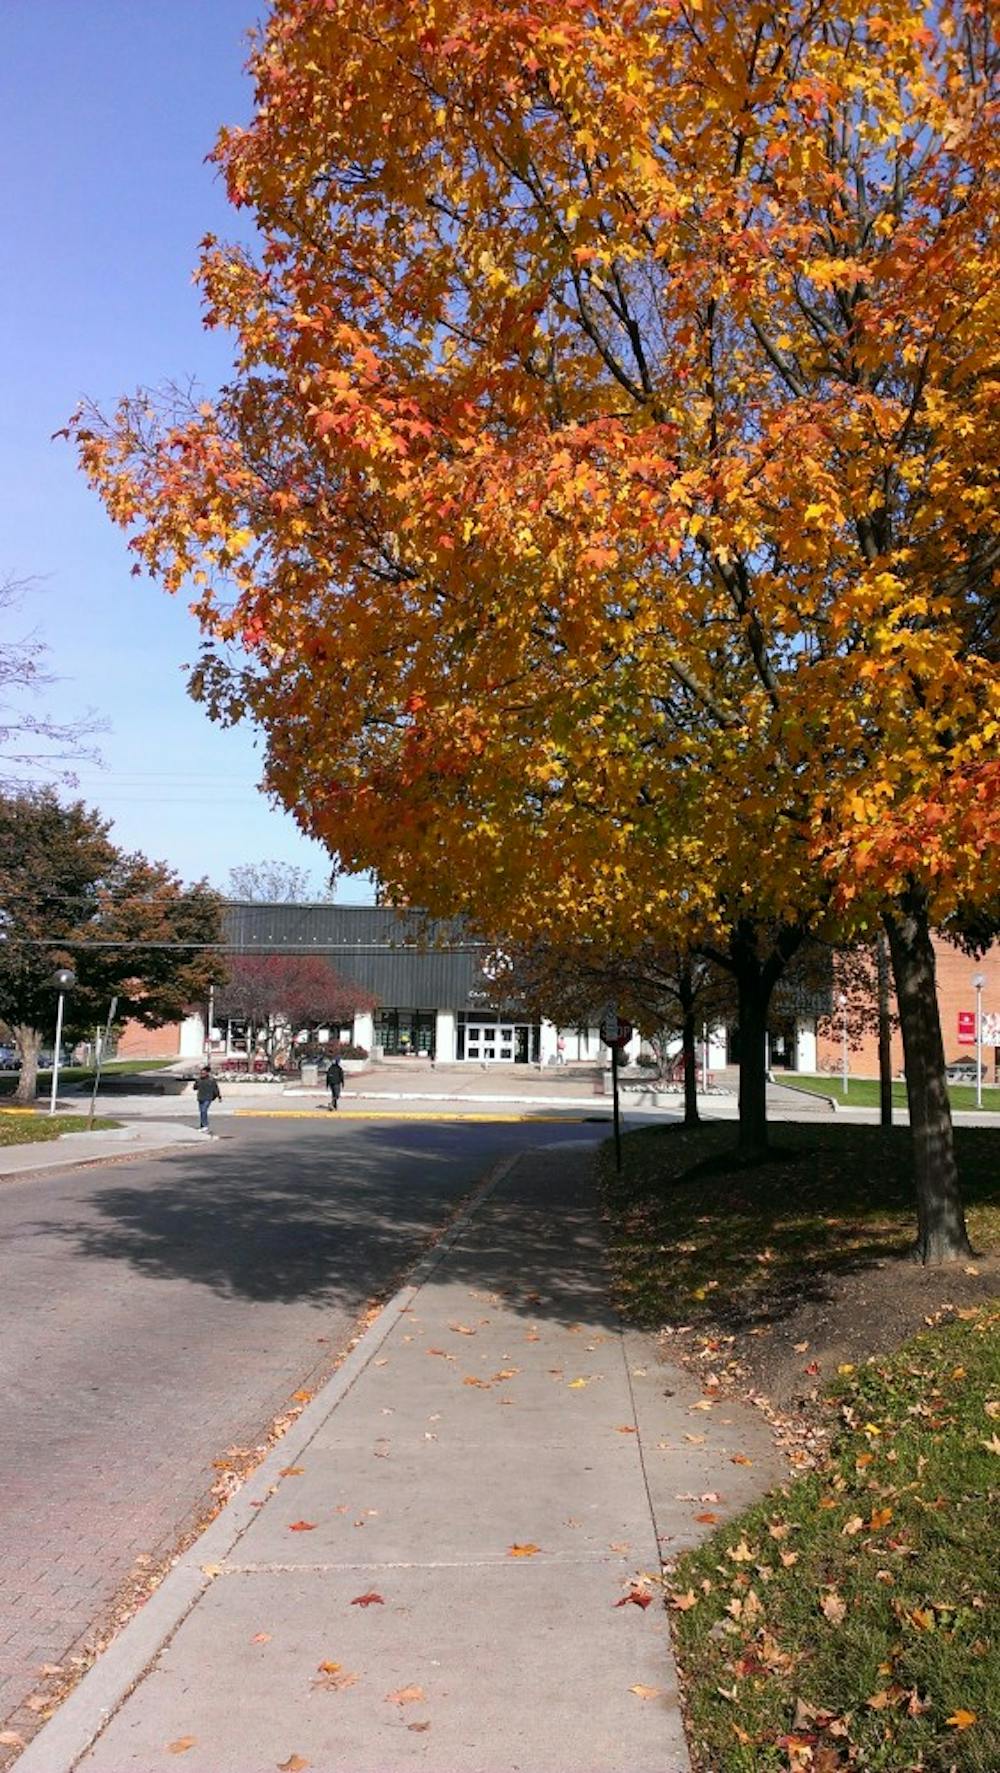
363,1032
547,1037
805,1046
444,1037
191,1042
716,1049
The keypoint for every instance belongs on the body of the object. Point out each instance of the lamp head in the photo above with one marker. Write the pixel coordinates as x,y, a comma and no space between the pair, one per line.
64,978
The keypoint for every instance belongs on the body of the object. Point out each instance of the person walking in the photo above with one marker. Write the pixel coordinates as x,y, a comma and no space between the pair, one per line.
334,1082
207,1091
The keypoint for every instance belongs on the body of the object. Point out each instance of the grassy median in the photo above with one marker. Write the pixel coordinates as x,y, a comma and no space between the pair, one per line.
19,1127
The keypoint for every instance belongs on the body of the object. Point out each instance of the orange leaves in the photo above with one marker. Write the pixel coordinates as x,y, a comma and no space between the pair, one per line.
523,1551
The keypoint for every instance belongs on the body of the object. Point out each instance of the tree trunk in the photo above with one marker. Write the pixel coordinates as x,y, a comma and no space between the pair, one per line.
754,997
689,1048
884,1035
941,1232
28,1042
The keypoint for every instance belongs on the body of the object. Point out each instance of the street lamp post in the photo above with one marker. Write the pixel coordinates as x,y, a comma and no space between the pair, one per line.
65,980
979,980
842,1000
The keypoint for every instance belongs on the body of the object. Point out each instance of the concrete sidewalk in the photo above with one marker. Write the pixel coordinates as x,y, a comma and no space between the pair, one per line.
426,1571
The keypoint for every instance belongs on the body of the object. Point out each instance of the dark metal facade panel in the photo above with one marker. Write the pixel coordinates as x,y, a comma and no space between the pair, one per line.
407,960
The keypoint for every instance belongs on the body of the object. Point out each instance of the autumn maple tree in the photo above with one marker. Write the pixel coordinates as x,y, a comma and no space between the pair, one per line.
600,521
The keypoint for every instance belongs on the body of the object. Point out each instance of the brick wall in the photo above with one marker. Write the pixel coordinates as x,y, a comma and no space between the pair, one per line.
955,972
136,1042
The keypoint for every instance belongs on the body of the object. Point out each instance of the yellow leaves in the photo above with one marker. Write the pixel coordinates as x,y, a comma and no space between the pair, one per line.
962,1720
833,1607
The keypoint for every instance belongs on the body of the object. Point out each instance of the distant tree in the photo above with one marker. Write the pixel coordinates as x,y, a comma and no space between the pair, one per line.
278,994
29,740
126,926
276,883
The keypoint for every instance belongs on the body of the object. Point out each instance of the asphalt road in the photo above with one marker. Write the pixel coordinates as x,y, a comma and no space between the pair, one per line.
154,1313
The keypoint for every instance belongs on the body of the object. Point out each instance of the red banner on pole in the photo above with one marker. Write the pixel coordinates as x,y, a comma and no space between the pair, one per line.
966,1028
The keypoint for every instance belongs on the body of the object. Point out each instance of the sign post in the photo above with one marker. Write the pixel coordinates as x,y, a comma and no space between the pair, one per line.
615,1034
99,1059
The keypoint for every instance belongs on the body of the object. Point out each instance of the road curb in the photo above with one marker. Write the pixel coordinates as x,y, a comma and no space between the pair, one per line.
66,1738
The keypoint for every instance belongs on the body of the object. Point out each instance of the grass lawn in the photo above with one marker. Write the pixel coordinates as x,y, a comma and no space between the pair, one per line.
694,1234
844,1622
863,1092
28,1128
76,1074
849,1620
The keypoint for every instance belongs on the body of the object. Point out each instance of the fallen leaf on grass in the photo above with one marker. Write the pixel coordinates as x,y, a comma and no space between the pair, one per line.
642,1692
684,1602
993,1444
523,1551
181,1746
854,1525
789,1558
371,1599
302,1527
741,1553
961,1720
406,1696
880,1518
833,1608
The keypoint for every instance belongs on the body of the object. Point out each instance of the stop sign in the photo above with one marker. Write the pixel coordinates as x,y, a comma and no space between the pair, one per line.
615,1032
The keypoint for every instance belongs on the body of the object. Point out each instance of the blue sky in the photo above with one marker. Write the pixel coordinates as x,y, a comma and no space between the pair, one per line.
109,108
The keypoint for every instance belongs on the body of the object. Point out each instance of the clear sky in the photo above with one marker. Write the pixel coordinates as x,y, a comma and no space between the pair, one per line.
108,109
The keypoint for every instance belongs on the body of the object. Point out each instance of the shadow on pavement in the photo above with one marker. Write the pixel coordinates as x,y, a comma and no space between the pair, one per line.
267,1221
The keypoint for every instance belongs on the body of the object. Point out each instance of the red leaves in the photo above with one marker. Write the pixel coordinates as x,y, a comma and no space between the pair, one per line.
639,1597
302,1527
371,1599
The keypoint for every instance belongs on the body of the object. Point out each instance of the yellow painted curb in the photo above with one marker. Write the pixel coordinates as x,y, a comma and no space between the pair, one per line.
362,1114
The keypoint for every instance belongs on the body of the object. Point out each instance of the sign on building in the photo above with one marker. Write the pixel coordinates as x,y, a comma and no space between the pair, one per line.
967,1028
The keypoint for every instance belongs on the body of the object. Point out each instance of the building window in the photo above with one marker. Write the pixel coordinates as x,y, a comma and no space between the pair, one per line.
401,1033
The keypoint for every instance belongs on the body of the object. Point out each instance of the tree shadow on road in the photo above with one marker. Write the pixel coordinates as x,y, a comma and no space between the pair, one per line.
339,1225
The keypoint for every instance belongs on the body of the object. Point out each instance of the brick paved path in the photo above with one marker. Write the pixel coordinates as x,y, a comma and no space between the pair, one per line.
154,1313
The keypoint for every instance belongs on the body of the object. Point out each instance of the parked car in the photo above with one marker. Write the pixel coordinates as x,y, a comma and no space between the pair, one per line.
8,1059
962,1071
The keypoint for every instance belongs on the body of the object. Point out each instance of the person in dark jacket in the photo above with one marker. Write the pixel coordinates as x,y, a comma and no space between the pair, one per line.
207,1091
334,1082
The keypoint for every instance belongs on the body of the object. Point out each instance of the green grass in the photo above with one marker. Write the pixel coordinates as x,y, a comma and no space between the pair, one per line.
77,1074
849,1619
694,1235
863,1092
28,1128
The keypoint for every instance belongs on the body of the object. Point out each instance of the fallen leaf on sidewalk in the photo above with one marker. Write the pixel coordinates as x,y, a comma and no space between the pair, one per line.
707,1520
739,1459
294,1764
578,1384
262,1637
480,1384
333,1678
626,1428
292,1471
181,1746
642,1692
523,1551
462,1329
11,1739
697,1440
621,1546
371,1599
704,1403
640,1597
302,1527
423,1726
406,1696
301,1397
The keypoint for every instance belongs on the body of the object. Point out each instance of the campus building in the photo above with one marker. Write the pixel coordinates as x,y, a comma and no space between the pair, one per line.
438,992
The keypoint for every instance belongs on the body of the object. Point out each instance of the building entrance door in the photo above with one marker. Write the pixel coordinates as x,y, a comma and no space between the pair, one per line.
491,1041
